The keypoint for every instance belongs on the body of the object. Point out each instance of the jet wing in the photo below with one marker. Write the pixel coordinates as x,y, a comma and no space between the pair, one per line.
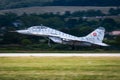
65,38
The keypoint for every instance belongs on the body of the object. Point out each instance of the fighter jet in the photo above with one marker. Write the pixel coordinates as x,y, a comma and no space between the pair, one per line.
94,38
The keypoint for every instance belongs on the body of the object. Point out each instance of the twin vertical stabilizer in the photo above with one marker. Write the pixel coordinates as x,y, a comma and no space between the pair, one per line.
97,36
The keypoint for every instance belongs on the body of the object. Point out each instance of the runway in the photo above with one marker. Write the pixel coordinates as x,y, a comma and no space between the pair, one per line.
60,54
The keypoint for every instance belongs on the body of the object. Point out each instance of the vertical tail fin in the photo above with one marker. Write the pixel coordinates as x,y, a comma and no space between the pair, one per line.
96,36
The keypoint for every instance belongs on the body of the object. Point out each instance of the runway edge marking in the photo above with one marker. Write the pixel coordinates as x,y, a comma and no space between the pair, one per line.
59,55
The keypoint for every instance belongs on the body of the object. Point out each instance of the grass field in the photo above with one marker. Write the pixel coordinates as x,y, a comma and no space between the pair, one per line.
59,68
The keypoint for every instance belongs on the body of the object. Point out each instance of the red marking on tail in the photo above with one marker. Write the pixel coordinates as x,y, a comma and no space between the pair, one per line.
94,34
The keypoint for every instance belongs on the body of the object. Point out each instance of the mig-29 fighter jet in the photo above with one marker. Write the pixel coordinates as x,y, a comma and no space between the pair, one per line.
94,38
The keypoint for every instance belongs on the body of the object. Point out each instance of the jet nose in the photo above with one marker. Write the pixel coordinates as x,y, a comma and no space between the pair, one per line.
22,31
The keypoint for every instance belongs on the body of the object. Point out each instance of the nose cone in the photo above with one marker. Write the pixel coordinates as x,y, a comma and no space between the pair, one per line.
22,31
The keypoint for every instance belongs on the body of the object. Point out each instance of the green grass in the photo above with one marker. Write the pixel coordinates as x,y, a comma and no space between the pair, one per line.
59,68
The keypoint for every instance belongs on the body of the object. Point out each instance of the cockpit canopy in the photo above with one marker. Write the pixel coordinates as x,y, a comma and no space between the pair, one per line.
37,27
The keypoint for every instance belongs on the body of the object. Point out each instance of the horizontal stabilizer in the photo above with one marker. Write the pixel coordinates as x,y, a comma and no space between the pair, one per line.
102,44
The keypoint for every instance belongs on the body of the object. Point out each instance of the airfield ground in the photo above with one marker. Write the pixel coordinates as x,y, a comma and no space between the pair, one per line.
60,68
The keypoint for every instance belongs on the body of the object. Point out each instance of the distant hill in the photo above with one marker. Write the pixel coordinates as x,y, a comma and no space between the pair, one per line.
9,4
55,9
